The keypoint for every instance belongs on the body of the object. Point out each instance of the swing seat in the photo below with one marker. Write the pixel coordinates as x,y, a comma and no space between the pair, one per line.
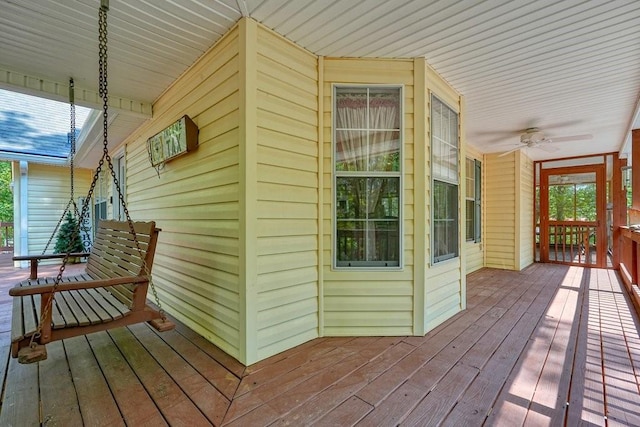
112,292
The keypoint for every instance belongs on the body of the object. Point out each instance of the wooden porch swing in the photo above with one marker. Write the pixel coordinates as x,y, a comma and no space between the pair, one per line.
113,289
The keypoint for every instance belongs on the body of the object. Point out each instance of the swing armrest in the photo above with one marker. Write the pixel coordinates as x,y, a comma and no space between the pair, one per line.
48,256
17,291
33,259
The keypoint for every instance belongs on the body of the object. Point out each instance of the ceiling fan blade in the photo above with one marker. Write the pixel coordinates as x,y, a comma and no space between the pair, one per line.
548,148
496,133
571,138
560,124
520,147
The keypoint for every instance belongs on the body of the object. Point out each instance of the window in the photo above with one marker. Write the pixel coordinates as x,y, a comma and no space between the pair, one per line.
473,174
100,197
118,209
444,169
367,172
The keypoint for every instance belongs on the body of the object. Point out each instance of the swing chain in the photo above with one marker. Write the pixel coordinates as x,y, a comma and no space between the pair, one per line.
72,155
102,26
72,131
102,53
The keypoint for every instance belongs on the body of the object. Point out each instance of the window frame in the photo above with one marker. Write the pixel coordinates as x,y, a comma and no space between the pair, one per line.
120,167
478,202
101,198
476,181
435,180
367,265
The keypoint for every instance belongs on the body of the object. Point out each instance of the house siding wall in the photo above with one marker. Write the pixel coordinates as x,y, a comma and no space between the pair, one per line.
445,284
48,193
525,211
287,195
500,198
195,198
368,302
245,255
474,251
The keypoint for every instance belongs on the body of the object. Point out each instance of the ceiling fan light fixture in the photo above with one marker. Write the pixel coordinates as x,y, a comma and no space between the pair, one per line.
532,137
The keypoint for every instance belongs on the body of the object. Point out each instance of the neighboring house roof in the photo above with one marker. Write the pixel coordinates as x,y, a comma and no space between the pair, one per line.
36,129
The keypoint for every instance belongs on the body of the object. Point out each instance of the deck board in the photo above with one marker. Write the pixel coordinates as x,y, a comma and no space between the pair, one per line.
621,388
133,400
172,401
95,400
212,370
209,400
528,342
20,402
59,400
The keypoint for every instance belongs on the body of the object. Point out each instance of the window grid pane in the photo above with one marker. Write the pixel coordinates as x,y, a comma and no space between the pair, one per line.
470,173
470,223
444,141
445,222
367,176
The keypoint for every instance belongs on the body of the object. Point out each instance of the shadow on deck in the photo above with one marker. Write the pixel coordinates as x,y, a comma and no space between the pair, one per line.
545,346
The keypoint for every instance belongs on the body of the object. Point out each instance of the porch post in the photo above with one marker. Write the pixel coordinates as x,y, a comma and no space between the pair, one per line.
619,198
635,175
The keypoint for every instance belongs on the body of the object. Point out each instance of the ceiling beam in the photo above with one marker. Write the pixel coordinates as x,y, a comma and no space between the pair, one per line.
59,91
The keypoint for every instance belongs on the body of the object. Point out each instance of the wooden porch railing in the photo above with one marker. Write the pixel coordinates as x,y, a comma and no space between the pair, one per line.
352,244
6,236
630,264
572,242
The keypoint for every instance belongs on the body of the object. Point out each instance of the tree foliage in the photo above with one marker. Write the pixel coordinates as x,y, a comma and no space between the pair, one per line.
6,195
68,239
572,202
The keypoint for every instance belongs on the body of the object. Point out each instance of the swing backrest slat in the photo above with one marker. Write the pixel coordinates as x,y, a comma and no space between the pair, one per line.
114,254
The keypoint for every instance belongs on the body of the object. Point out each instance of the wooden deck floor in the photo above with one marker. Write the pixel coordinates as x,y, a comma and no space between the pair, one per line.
551,345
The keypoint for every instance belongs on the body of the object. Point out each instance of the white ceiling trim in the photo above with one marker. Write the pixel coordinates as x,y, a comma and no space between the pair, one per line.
59,91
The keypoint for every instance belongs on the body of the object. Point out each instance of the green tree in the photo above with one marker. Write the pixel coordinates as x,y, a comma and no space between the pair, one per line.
586,201
68,239
6,195
560,202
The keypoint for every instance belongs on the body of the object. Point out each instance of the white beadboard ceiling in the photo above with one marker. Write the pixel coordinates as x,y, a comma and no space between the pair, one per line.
569,67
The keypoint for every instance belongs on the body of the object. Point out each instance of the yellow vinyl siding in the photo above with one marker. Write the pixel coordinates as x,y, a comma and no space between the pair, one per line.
287,195
444,281
245,255
195,198
368,302
525,211
48,193
500,202
474,251
509,211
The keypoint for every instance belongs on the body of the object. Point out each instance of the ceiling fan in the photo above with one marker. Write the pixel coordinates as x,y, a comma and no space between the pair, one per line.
533,137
